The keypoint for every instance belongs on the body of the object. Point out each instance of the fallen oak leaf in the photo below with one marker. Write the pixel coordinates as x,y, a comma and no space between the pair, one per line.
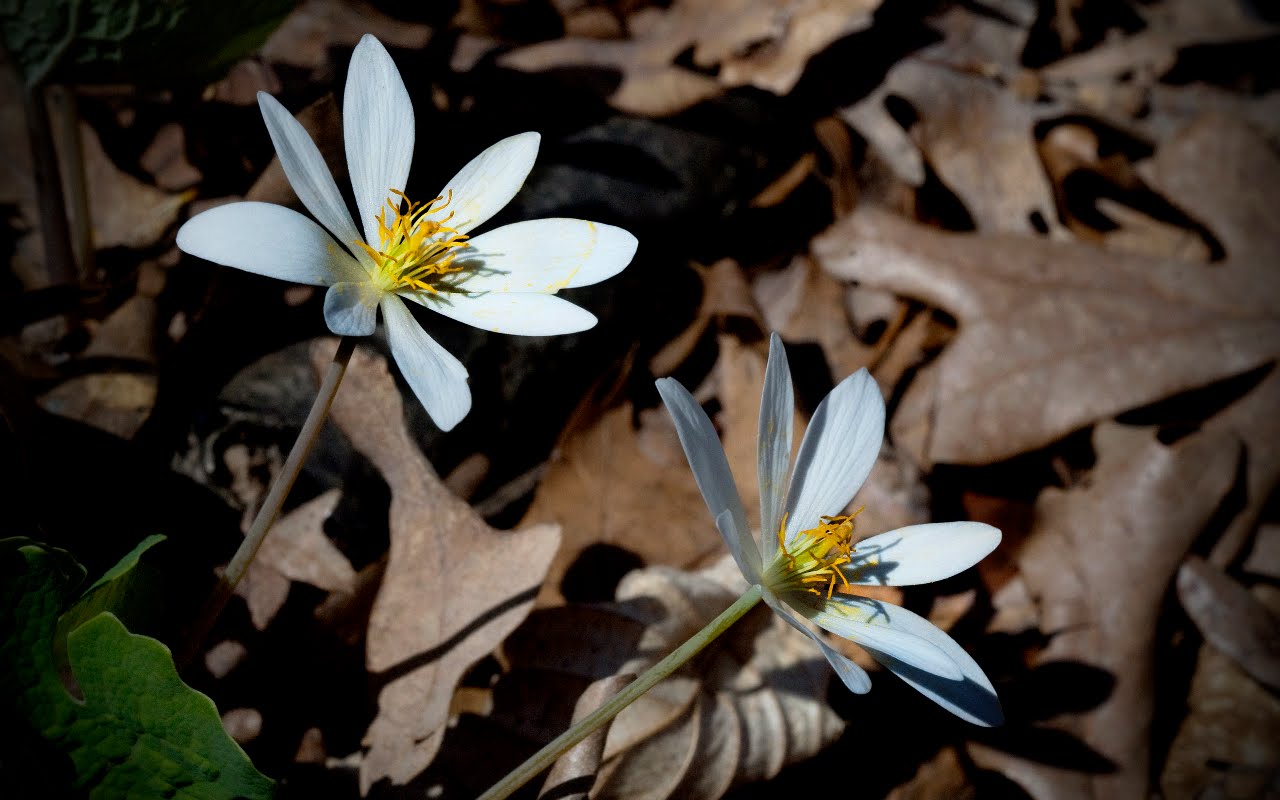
1229,742
453,589
602,489
1054,335
725,293
976,133
764,43
751,703
1231,619
1099,561
805,304
296,550
306,36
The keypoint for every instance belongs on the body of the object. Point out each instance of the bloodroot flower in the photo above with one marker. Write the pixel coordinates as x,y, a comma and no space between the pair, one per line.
808,550
503,281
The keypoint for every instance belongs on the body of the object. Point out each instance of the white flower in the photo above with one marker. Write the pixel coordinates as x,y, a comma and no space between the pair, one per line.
813,551
504,280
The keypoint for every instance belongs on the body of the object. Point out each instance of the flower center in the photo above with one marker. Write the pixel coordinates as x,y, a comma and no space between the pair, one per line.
414,251
812,562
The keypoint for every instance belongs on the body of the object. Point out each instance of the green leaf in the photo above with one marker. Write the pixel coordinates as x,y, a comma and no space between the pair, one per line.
139,731
116,591
150,42
34,583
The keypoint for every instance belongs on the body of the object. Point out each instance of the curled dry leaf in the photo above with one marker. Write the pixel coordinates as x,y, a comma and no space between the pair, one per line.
453,589
751,703
1229,742
1099,560
763,43
1231,619
1054,336
578,766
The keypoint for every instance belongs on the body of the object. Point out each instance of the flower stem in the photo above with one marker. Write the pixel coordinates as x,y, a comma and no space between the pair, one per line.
270,509
558,746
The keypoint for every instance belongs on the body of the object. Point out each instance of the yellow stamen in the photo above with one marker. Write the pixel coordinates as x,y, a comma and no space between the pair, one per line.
812,561
414,251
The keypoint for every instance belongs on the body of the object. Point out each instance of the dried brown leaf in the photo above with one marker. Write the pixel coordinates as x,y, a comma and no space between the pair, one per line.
117,403
305,36
1054,336
763,43
725,293
804,304
299,550
166,159
1231,619
1264,557
943,776
1229,742
1136,62
977,134
603,489
453,589
1099,561
125,211
296,550
751,703
576,767
1254,421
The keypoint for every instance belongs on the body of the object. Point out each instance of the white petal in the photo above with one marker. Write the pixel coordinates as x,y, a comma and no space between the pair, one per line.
351,309
837,453
484,186
921,553
773,443
870,623
514,313
969,695
307,173
737,537
377,122
436,377
545,255
269,240
852,675
711,472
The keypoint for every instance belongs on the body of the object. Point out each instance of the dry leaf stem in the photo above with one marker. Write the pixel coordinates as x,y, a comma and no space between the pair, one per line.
59,256
64,118
253,539
562,743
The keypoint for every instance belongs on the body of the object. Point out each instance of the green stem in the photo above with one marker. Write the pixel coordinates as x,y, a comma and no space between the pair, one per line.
579,731
243,557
